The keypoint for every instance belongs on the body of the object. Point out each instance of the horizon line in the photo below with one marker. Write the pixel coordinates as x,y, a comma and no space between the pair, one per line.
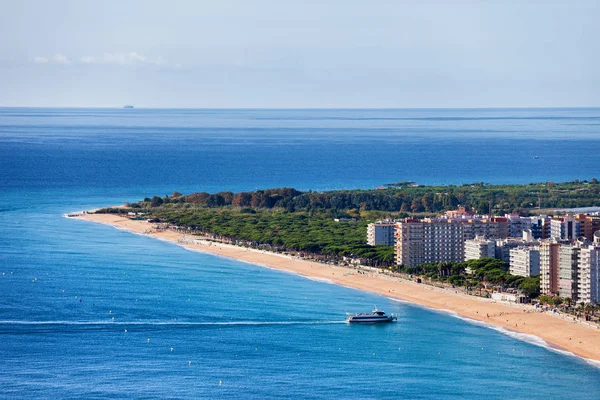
308,108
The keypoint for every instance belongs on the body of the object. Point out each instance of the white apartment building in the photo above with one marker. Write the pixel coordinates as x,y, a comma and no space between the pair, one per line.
487,227
588,283
479,248
516,224
503,247
525,261
381,232
567,227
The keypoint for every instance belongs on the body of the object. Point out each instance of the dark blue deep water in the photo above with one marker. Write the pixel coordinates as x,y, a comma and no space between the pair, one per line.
184,321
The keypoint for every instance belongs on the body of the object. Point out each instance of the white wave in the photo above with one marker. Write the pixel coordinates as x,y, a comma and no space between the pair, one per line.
524,337
170,323
323,280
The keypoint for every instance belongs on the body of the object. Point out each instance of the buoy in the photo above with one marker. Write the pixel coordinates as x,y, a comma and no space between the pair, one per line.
220,382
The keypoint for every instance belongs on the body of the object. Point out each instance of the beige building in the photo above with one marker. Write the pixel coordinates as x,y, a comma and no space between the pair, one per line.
588,225
425,241
568,271
549,267
489,228
442,239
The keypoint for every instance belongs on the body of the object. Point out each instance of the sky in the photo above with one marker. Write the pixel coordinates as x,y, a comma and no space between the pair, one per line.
300,53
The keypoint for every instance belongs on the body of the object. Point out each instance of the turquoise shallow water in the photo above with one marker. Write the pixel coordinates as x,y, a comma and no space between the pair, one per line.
263,333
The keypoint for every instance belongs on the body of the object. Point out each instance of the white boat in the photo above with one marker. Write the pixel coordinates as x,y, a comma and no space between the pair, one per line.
374,317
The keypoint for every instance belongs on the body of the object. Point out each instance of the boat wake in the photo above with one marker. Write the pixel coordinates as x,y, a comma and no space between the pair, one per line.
15,326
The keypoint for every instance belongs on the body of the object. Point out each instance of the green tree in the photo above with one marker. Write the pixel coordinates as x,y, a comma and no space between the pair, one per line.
156,201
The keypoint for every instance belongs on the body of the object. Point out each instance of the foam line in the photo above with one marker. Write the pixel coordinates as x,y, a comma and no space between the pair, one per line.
162,323
524,337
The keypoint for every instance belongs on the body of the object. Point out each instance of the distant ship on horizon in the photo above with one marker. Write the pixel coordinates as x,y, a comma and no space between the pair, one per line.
127,106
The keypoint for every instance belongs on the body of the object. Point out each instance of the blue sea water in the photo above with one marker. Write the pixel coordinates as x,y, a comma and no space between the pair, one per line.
191,325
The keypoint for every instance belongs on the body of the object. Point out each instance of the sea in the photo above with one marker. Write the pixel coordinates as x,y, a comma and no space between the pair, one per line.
91,312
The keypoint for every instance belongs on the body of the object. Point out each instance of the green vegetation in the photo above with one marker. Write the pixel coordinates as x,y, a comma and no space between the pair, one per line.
403,199
483,272
315,233
288,220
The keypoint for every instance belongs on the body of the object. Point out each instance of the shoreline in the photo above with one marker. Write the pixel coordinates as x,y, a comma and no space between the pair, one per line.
560,335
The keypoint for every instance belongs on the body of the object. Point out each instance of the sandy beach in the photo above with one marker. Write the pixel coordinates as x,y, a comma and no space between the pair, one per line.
562,333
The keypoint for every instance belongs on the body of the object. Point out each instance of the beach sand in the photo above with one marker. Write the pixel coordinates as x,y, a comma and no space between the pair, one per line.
562,333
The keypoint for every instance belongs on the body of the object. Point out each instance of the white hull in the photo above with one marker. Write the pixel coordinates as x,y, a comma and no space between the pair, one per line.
353,320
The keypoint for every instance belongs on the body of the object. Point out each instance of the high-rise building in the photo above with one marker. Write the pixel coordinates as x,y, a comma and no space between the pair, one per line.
588,225
568,271
442,239
516,224
488,227
381,232
588,283
540,226
503,247
479,248
525,261
425,241
567,227
549,267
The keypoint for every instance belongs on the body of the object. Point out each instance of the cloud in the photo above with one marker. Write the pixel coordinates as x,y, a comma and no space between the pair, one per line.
55,59
132,58
88,60
125,59
60,59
